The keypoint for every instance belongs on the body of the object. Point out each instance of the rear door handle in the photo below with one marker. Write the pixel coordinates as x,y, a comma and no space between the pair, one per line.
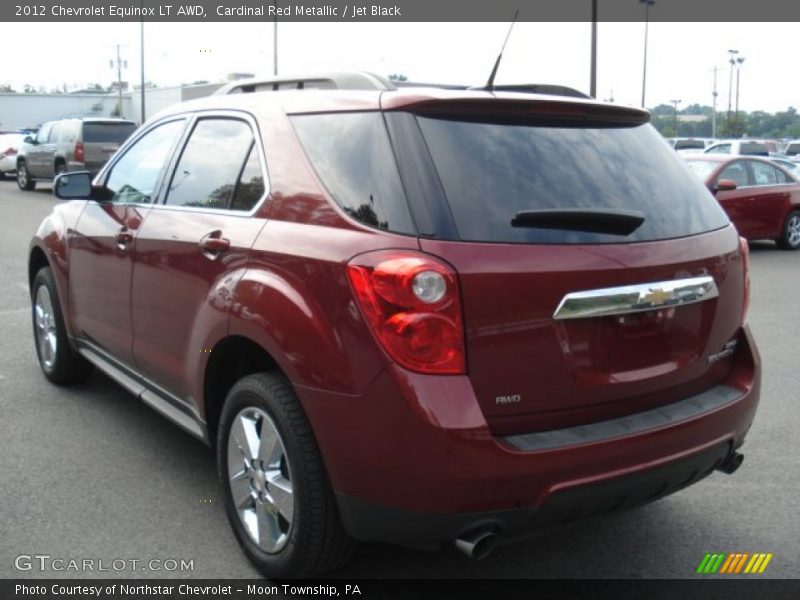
213,244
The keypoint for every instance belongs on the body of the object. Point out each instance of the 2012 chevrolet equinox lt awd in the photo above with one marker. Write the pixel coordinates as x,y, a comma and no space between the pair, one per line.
416,315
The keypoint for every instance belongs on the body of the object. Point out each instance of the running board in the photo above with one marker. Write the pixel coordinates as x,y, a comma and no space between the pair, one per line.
151,394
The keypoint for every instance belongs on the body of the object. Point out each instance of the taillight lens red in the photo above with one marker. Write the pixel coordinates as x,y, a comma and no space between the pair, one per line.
79,155
10,152
744,252
412,304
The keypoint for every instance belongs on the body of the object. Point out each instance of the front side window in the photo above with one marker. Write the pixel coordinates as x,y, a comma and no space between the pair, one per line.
737,173
211,163
134,176
721,149
44,133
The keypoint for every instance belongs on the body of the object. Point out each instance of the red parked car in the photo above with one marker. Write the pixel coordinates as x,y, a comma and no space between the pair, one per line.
761,198
416,316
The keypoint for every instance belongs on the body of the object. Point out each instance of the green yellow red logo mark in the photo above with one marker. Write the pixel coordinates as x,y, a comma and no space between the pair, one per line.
734,563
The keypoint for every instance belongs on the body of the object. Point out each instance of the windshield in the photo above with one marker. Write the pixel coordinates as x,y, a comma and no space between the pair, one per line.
493,170
701,168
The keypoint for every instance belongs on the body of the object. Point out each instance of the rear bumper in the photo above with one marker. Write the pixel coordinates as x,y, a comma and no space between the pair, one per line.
370,522
413,461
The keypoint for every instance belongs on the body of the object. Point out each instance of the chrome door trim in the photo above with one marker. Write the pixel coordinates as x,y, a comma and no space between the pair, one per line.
636,298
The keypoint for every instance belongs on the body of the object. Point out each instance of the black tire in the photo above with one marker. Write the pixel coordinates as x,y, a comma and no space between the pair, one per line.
59,168
64,365
24,179
790,236
315,542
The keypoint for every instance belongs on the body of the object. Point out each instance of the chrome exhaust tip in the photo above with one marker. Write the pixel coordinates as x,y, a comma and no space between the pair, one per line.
477,544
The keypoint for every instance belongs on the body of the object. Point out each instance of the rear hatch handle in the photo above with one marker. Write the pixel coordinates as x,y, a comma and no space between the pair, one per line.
636,298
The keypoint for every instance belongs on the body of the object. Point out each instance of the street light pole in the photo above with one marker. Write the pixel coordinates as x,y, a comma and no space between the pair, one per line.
739,61
275,41
593,67
647,5
732,62
141,61
714,102
675,116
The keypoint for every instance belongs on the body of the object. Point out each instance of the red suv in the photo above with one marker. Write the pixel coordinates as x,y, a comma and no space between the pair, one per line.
419,316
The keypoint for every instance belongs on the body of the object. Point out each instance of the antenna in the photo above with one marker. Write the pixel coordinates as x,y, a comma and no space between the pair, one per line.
490,84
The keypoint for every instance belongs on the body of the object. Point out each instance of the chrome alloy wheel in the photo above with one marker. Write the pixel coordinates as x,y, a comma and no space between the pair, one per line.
45,322
260,479
22,175
793,231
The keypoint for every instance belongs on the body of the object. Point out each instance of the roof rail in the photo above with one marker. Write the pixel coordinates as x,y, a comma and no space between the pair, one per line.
361,80
358,80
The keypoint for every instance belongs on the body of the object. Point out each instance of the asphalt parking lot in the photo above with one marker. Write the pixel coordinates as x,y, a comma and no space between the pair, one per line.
88,472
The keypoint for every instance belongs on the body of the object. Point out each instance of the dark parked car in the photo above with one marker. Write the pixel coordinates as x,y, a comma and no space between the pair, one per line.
69,145
761,198
415,316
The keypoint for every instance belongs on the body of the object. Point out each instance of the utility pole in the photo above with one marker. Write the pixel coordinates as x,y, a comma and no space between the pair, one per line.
119,63
714,104
675,118
593,68
647,5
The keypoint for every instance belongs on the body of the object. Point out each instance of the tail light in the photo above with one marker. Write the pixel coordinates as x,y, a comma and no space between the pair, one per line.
744,252
10,152
412,304
79,155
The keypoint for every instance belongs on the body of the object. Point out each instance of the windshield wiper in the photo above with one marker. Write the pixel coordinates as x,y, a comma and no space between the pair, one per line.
592,220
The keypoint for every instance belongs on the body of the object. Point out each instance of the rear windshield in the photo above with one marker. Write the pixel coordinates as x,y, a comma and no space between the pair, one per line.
754,149
493,170
107,133
792,149
688,144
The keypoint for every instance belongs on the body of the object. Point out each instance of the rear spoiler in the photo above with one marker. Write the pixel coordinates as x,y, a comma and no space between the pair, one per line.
525,110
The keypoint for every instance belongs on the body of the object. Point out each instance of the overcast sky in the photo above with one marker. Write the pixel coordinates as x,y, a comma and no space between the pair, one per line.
681,56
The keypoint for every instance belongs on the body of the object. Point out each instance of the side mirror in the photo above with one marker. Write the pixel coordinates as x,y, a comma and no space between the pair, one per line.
29,139
73,186
725,185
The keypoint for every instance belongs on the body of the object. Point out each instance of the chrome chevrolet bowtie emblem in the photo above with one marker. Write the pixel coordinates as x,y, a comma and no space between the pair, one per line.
656,296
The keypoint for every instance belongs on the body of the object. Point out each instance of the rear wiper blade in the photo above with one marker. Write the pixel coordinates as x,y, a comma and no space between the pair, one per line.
592,220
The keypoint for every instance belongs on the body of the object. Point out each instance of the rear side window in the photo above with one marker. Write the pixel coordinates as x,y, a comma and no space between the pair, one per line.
210,165
792,149
763,174
492,170
107,133
352,156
